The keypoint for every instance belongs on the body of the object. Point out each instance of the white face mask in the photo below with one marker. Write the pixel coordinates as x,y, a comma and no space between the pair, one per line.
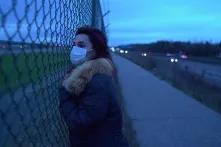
78,55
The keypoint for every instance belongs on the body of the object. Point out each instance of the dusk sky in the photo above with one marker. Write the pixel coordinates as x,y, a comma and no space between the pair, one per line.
131,21
142,21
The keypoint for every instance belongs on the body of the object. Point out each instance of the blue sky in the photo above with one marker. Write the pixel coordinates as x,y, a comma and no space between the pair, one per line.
131,21
142,21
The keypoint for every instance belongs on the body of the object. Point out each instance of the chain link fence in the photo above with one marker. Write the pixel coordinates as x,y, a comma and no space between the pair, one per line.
35,41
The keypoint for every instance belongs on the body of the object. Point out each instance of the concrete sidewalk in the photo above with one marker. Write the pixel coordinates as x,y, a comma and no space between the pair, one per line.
163,116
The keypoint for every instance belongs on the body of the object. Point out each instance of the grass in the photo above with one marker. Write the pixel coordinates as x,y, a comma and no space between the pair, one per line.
207,60
22,69
191,84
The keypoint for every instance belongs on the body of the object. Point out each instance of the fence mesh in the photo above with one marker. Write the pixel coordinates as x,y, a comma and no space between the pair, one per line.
35,41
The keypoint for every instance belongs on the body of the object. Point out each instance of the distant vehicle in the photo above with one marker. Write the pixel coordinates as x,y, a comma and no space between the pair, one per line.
113,49
174,59
183,56
169,54
144,54
121,51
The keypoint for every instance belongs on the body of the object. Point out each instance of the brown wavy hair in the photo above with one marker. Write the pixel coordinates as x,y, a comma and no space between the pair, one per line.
99,43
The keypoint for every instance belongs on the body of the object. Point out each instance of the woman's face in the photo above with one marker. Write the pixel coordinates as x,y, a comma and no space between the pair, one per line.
83,41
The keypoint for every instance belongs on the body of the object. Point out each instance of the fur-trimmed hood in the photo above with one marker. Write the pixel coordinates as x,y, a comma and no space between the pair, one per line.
76,82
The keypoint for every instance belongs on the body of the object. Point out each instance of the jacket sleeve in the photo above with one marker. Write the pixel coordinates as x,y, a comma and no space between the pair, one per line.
93,105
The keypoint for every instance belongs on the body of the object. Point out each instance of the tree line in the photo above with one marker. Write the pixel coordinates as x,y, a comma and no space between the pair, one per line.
176,47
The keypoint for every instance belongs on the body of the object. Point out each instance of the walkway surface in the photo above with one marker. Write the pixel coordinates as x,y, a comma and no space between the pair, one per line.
164,116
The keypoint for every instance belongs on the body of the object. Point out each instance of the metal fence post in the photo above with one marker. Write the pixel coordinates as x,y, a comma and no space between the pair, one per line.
93,21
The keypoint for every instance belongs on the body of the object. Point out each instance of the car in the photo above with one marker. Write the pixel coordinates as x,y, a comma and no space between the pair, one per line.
169,54
174,60
183,56
144,54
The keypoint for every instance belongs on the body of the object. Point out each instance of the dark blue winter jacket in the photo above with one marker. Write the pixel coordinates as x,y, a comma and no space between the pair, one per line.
94,117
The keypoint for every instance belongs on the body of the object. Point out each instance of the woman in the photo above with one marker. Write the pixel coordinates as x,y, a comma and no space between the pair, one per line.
88,99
